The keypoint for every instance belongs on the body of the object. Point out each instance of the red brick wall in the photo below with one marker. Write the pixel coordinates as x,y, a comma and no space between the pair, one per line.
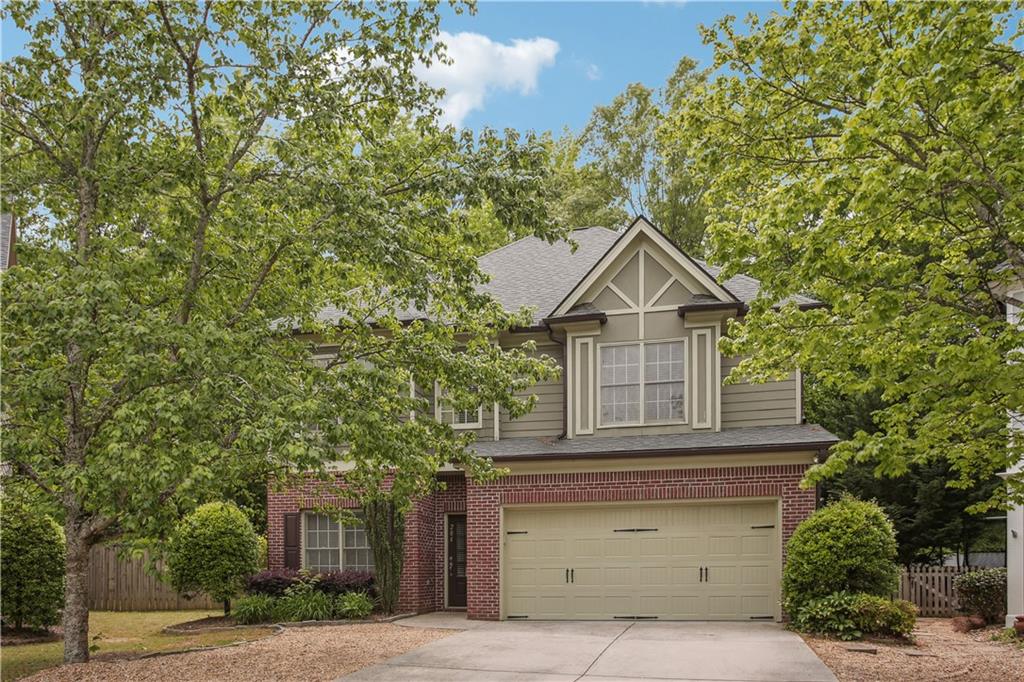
423,573
484,503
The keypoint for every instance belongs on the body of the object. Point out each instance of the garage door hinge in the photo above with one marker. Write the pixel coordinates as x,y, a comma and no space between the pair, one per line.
767,525
517,532
762,618
516,617
635,617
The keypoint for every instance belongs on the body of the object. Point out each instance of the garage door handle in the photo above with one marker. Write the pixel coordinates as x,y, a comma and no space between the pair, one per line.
567,575
572,575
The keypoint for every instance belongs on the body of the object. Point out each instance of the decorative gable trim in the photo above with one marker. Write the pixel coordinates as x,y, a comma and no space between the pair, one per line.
642,226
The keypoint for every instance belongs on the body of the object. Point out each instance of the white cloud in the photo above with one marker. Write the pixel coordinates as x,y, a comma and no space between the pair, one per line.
593,72
480,65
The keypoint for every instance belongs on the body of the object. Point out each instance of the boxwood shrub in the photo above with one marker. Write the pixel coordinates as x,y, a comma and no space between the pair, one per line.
982,593
32,567
847,547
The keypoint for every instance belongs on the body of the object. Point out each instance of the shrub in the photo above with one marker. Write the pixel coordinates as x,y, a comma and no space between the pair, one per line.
830,615
262,552
256,608
32,567
212,550
848,546
982,593
880,616
303,601
357,605
851,616
271,582
343,582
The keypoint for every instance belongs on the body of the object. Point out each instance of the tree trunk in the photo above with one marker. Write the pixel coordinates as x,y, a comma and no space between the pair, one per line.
76,595
227,607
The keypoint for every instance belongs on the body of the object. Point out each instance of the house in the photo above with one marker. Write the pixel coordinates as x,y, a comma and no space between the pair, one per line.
640,486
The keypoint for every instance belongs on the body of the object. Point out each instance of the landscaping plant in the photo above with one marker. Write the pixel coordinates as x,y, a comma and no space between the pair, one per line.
385,529
31,567
213,550
272,582
982,593
355,605
851,616
303,601
255,608
848,546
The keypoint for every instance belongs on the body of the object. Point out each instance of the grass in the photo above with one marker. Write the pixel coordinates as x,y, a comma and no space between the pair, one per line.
114,634
1008,636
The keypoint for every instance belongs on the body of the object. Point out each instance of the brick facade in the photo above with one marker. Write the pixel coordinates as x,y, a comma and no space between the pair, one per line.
422,586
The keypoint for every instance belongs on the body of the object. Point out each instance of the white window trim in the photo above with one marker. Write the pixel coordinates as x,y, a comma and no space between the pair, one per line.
341,541
577,411
478,424
643,382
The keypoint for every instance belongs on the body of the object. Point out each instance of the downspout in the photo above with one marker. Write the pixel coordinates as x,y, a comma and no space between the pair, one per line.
565,383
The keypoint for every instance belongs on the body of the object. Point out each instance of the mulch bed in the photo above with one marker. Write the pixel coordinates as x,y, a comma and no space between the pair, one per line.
206,623
11,637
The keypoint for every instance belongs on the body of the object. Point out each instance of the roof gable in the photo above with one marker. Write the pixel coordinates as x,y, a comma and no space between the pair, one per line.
614,269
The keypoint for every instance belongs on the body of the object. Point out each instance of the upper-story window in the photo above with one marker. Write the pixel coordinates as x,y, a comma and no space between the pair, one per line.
643,383
459,419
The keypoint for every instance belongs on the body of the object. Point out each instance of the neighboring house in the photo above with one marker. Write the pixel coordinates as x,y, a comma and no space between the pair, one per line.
1015,515
8,236
640,486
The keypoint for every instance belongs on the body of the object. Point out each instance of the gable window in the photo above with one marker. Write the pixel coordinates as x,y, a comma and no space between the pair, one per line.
459,419
330,546
643,383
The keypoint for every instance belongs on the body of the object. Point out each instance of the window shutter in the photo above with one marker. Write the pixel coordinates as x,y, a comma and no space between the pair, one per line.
292,532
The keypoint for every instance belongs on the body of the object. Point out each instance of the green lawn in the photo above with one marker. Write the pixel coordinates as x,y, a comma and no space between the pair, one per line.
114,632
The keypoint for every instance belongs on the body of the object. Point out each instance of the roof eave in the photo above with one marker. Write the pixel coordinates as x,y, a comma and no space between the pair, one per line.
815,446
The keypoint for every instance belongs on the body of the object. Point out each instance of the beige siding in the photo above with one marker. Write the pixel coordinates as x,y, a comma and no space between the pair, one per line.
546,417
769,404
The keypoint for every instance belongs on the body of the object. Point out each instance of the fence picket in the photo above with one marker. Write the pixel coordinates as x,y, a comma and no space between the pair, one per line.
118,584
930,588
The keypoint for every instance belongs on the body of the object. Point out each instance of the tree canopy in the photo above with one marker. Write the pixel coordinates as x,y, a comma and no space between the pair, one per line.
618,167
208,191
868,154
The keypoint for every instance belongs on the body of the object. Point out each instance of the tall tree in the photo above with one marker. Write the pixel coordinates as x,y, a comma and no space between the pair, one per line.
619,167
208,188
869,154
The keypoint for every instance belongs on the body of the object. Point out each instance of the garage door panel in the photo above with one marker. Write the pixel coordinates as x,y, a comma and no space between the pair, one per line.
651,573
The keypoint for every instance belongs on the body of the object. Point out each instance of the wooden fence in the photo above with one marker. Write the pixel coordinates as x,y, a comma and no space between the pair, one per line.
118,584
931,589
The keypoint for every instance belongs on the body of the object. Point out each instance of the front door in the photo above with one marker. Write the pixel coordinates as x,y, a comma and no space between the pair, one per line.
457,560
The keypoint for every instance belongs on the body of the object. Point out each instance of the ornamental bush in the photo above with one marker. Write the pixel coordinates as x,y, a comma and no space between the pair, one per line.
343,582
851,616
847,547
255,608
32,567
213,550
272,582
356,605
982,593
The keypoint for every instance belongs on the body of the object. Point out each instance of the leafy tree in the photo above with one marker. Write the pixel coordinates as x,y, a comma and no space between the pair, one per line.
32,566
208,190
213,550
868,154
618,167
930,515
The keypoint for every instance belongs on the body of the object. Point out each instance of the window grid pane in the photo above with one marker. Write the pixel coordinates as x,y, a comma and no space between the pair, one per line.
620,384
322,543
664,386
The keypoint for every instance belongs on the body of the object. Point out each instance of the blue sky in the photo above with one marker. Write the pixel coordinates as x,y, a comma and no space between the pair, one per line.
601,47
545,65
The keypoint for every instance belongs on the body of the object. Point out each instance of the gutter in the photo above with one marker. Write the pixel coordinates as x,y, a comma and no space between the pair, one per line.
565,383
740,308
817,446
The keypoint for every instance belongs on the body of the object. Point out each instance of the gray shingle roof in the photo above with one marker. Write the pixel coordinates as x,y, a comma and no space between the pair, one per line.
533,273
795,436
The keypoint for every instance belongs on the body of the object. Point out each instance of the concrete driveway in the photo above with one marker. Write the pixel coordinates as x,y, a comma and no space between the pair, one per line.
604,651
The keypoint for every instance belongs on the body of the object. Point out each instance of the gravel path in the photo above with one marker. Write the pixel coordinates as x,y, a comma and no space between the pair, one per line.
947,655
313,653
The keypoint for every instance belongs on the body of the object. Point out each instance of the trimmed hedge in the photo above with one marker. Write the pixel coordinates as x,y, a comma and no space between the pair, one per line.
212,550
847,547
32,566
302,602
982,593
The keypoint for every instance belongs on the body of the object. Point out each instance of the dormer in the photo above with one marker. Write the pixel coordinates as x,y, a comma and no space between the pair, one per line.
634,364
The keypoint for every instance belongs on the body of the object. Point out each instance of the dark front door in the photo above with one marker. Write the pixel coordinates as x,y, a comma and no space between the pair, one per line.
456,560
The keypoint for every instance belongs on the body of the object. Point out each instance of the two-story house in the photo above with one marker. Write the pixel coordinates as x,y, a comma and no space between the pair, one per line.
640,486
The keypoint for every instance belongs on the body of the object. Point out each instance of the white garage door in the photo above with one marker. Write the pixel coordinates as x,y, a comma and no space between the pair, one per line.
668,561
